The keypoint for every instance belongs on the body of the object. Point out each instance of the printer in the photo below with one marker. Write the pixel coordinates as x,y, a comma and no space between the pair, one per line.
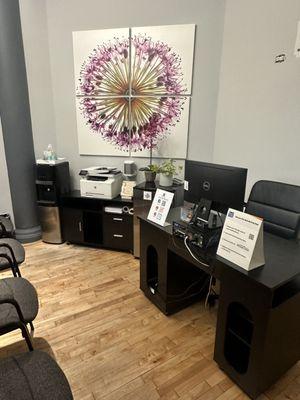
100,182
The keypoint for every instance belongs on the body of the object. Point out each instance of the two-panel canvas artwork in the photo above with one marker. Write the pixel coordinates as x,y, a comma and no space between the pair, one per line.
133,89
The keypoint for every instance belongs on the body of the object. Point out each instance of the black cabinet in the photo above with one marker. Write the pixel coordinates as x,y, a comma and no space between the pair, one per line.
72,225
85,221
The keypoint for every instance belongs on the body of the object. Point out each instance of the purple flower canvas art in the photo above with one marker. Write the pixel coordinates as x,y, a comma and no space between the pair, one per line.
131,92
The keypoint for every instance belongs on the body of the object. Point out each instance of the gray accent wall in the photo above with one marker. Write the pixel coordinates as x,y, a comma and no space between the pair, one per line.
258,119
63,17
36,48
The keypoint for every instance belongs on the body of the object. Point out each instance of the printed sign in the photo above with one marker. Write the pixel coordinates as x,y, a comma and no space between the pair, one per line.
160,207
147,195
242,240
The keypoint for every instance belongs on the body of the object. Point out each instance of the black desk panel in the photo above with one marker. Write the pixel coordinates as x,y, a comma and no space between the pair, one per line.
282,262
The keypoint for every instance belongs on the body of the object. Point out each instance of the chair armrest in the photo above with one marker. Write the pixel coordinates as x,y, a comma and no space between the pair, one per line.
11,264
16,305
5,215
3,231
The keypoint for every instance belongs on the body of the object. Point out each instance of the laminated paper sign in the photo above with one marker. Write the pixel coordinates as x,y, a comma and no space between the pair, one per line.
160,207
242,240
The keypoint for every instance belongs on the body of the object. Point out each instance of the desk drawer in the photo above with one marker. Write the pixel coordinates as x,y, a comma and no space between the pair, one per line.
117,241
118,231
117,219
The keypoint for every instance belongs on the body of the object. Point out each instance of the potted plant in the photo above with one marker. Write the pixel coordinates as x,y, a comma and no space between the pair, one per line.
167,170
150,172
152,169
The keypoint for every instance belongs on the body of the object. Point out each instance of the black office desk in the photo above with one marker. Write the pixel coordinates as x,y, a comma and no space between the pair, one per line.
258,326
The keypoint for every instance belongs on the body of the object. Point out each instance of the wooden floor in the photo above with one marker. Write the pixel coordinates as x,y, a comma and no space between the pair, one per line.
112,343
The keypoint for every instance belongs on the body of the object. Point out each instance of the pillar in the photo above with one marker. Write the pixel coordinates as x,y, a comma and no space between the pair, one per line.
16,123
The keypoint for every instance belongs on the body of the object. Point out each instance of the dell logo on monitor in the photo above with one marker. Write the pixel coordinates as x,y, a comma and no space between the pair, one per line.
206,186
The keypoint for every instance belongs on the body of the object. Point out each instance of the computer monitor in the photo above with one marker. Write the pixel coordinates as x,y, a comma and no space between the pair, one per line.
222,184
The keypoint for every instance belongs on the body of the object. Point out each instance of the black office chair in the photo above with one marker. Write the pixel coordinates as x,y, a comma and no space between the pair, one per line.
33,376
18,307
279,205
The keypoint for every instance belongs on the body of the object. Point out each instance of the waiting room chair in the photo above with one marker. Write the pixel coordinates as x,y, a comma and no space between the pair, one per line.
18,307
12,254
279,206
33,376
12,249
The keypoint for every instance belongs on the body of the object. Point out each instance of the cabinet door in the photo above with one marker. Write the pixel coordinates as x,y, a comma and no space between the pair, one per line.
92,222
72,225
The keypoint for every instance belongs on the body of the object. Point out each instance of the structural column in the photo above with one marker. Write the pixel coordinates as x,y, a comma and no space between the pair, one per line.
16,123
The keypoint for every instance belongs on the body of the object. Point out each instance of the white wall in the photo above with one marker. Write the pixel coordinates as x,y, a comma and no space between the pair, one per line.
5,198
252,119
63,17
36,48
258,119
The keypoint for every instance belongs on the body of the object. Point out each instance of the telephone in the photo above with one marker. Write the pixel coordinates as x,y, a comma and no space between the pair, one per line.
202,213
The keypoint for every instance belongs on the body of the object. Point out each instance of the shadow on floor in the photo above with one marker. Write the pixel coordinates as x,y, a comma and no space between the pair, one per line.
21,347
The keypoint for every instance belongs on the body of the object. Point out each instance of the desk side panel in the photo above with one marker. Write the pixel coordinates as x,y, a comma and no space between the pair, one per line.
237,289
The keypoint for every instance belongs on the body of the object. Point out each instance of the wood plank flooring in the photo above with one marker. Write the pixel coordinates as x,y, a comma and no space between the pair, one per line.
112,343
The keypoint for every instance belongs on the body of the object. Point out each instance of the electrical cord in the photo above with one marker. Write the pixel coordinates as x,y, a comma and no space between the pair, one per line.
192,295
175,244
191,253
209,291
187,289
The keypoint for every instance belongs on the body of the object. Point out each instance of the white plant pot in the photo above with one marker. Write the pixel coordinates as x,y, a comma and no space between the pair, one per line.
165,180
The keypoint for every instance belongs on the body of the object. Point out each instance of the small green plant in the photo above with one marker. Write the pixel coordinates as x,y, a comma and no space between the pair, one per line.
151,168
169,168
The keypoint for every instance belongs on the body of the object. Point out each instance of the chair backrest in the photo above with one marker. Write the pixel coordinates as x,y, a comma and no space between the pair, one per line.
279,205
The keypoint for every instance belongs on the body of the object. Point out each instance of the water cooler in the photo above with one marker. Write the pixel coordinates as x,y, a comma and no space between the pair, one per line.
52,180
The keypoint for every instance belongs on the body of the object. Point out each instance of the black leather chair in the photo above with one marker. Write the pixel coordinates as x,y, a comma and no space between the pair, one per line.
33,376
279,205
